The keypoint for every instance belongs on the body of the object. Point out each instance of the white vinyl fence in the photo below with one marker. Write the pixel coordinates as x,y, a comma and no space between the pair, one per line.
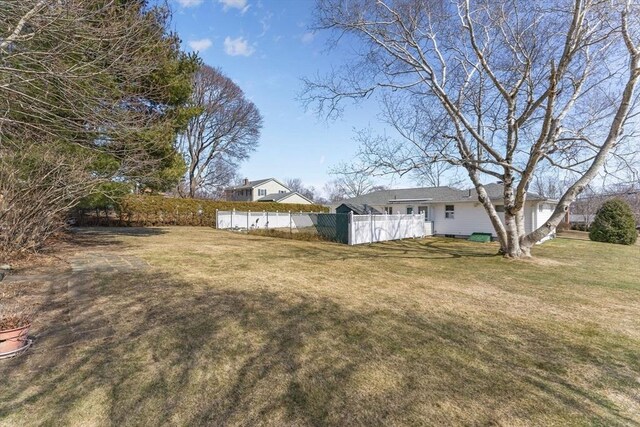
253,220
379,228
345,228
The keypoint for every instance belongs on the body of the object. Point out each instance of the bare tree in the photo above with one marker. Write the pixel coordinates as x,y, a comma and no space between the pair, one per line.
495,88
38,185
351,180
224,133
295,184
437,174
334,191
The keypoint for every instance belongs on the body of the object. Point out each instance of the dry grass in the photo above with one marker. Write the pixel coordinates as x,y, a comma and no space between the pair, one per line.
311,236
235,329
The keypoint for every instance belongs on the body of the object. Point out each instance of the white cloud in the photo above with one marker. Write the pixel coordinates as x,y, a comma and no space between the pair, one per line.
241,5
200,45
266,23
238,46
308,37
189,3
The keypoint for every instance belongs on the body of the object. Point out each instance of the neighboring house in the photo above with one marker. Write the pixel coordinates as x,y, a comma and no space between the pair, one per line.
583,210
453,212
265,190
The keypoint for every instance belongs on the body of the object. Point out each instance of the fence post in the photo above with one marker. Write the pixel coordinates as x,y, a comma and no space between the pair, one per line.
216,219
371,227
248,215
233,212
267,223
290,224
351,229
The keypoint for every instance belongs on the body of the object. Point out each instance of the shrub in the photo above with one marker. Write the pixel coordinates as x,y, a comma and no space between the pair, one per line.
614,223
145,210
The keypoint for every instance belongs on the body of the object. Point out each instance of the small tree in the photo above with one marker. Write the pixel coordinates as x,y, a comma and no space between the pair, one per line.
614,223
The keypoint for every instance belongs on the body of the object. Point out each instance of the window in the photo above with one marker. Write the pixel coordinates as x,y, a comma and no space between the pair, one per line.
262,191
448,211
409,210
499,208
388,210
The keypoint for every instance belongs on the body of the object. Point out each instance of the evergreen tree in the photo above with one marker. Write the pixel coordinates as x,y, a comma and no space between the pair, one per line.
614,223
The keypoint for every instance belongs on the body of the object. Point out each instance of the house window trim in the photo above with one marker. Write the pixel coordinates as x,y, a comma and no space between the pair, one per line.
449,213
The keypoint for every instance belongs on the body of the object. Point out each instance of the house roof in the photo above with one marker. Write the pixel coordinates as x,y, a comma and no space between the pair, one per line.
431,195
360,209
278,197
253,184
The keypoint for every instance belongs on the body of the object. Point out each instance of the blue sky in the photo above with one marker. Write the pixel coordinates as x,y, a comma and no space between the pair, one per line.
266,46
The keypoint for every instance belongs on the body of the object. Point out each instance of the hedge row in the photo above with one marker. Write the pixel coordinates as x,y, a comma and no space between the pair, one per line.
143,210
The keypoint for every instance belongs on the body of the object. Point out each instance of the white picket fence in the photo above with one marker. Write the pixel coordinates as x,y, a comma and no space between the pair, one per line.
380,228
349,228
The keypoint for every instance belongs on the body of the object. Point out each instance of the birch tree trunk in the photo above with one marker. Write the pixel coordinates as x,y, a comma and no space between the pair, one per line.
495,89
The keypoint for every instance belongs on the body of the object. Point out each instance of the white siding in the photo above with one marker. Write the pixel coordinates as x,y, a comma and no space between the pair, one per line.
272,187
470,217
295,198
543,212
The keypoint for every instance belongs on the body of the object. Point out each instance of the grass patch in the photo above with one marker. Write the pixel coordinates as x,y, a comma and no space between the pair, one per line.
238,329
307,236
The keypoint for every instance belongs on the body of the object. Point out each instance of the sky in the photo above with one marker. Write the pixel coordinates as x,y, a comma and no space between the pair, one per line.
266,47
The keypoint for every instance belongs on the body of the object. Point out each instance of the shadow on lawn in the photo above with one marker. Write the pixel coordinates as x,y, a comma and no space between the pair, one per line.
143,348
430,248
100,237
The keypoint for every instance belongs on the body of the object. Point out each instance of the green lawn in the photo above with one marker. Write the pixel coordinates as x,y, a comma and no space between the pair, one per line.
231,329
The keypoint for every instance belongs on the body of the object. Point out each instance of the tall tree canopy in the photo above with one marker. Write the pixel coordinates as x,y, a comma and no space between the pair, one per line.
223,133
495,88
91,91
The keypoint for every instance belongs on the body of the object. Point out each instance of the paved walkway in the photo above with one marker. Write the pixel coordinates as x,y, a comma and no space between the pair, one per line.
106,262
71,295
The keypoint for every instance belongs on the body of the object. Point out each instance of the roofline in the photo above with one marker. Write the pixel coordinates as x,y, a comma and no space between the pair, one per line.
295,192
289,194
242,187
411,200
472,199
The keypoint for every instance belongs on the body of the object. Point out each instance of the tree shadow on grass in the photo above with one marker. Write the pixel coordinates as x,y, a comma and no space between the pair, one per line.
144,348
430,248
100,237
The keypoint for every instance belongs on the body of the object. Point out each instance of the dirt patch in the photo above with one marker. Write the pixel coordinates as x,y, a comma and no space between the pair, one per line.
546,262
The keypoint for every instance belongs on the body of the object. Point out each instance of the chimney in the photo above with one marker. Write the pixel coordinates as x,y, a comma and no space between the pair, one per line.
246,181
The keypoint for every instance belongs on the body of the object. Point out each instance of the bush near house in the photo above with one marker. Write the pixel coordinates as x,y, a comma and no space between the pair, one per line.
614,223
147,210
